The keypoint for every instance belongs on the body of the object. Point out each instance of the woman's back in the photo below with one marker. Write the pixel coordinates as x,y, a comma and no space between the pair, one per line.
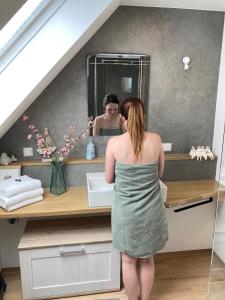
123,150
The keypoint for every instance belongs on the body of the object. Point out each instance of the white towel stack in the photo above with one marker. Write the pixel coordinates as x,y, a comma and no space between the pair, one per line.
20,191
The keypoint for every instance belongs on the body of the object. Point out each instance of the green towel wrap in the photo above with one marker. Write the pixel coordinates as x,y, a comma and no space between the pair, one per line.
110,131
139,223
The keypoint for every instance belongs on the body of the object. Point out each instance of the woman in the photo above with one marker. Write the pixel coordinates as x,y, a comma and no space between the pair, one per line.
110,122
135,160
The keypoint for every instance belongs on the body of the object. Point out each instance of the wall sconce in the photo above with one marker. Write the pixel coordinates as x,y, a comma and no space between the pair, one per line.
186,61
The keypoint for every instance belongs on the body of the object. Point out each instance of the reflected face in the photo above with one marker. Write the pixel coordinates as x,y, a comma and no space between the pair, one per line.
111,109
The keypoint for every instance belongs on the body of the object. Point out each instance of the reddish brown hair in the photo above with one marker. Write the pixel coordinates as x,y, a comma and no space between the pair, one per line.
132,109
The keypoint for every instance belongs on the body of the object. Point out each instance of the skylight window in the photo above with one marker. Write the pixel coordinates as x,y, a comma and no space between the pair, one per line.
20,30
19,22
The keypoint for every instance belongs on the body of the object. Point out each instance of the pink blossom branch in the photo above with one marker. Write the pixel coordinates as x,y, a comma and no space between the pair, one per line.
70,140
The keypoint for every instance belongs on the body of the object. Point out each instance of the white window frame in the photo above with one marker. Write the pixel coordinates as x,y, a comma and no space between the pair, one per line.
23,26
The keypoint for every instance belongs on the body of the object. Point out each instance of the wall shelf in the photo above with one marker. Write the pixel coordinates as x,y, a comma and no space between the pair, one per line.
98,160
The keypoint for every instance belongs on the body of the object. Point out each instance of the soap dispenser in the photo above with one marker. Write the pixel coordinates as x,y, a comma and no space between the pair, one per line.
90,149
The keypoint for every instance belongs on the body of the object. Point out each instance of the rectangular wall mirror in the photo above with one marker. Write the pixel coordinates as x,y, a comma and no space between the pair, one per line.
123,75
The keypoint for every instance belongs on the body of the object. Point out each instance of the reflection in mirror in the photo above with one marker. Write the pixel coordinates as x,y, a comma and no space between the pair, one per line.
110,122
217,271
111,78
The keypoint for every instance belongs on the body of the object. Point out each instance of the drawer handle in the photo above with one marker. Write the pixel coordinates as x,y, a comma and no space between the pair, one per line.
64,252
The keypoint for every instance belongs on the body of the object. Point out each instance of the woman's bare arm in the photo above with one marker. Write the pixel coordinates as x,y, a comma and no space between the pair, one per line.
96,128
161,161
109,163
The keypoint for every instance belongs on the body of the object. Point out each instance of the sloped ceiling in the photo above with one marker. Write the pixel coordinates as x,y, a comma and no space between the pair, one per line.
217,5
62,35
59,37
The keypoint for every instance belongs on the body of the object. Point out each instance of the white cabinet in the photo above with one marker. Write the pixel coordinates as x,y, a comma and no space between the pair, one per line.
9,171
64,257
191,226
6,172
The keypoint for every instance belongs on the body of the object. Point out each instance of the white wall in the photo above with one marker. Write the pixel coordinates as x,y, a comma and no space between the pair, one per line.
10,235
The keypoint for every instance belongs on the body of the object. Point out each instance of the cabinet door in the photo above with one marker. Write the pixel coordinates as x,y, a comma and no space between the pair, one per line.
69,270
191,226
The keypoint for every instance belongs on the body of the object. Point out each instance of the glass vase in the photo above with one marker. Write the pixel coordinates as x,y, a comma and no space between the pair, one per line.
58,184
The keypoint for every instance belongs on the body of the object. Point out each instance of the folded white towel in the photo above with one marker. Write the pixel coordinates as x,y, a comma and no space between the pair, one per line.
24,203
18,185
9,201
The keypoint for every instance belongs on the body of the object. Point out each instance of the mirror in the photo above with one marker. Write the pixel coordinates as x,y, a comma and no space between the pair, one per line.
119,76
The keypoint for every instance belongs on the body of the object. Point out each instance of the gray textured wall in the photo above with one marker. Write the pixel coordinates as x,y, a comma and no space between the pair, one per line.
181,104
75,175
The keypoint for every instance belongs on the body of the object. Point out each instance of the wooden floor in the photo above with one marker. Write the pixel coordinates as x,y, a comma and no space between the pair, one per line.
217,280
179,276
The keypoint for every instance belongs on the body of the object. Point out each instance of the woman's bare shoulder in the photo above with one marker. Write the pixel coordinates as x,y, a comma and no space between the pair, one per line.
153,136
99,118
116,140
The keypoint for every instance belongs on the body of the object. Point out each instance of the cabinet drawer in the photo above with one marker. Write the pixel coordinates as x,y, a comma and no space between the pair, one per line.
69,269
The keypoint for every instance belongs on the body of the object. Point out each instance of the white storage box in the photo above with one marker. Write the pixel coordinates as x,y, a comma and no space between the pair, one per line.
68,257
7,172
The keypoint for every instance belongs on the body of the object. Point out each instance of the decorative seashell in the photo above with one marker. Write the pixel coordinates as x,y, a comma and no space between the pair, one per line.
5,159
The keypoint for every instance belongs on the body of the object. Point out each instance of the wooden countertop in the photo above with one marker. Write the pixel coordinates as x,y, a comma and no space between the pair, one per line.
98,160
74,201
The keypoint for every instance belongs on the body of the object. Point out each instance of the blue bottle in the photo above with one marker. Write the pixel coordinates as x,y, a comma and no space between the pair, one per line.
90,149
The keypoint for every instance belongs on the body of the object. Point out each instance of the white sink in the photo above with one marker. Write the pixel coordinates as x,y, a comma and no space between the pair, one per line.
101,193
